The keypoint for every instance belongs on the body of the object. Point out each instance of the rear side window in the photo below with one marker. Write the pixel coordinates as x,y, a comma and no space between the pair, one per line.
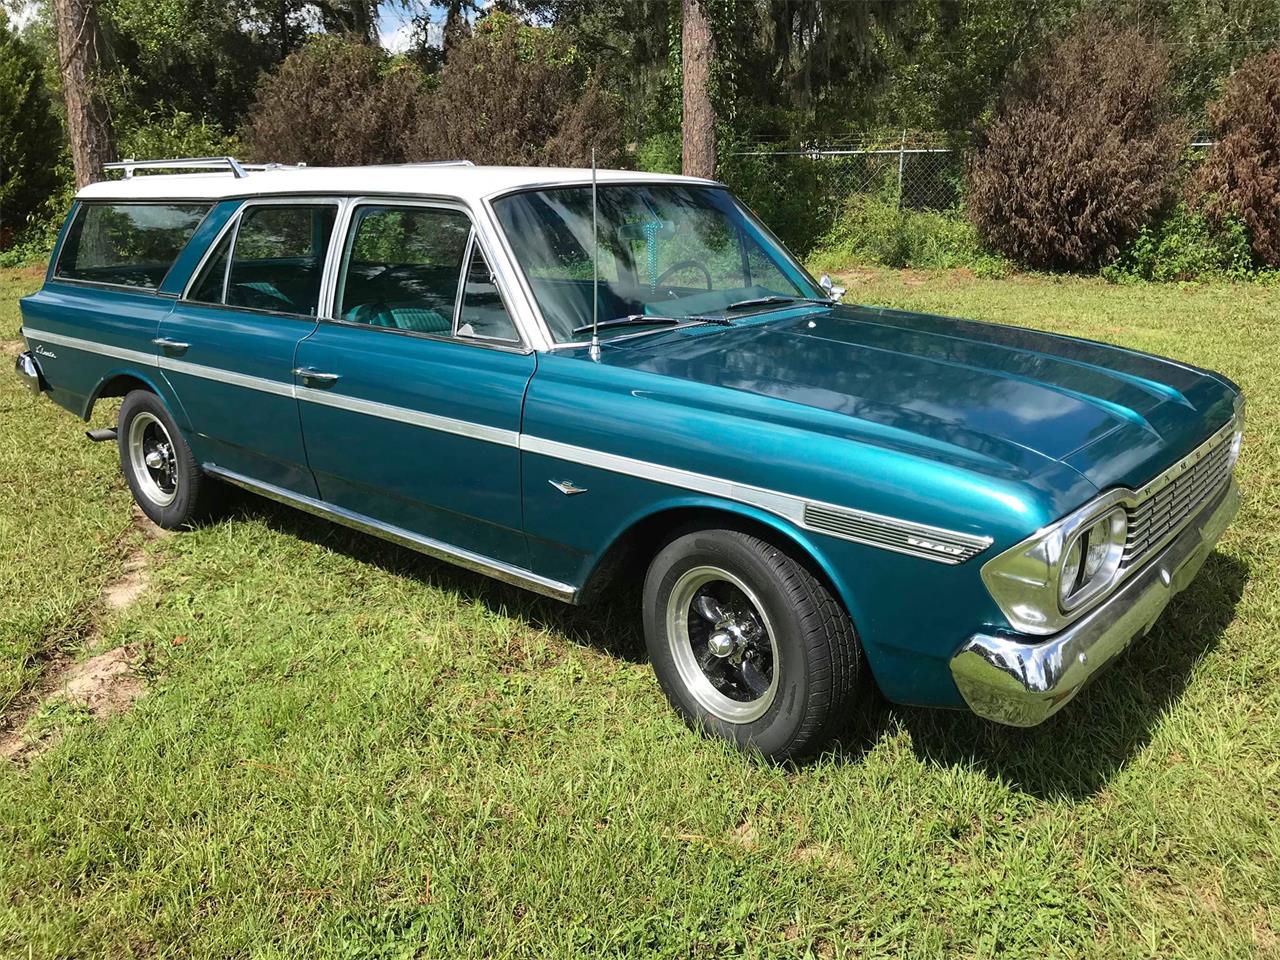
128,244
276,263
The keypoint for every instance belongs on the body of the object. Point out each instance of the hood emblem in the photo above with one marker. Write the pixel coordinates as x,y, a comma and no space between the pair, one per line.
567,487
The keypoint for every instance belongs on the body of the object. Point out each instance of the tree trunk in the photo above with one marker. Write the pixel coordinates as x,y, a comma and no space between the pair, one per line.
697,53
88,121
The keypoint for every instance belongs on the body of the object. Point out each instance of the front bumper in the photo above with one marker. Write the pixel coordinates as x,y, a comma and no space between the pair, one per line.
28,370
1013,680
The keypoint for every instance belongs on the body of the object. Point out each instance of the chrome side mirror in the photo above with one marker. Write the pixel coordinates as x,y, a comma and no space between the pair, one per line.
834,292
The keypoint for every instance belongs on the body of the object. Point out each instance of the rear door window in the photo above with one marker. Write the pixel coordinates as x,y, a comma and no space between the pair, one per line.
277,254
127,244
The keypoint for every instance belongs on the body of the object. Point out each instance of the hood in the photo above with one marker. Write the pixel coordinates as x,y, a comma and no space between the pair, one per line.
1011,398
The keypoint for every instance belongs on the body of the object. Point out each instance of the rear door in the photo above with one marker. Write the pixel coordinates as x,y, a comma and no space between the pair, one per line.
228,346
411,393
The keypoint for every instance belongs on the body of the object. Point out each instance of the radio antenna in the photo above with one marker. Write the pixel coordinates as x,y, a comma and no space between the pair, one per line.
595,266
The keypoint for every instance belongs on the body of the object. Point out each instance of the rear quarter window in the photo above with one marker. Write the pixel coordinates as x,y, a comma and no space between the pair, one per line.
127,244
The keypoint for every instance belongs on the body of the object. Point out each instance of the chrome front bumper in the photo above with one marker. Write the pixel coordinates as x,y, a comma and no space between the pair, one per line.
1014,680
29,371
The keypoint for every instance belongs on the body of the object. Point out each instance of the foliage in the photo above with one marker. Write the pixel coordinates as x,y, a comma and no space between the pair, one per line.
1081,151
156,135
1241,177
30,137
335,102
514,94
874,230
1185,245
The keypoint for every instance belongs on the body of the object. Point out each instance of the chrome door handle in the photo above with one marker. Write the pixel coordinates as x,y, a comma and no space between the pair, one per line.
319,376
168,343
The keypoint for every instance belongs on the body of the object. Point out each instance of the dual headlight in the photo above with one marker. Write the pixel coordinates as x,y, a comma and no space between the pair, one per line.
1040,582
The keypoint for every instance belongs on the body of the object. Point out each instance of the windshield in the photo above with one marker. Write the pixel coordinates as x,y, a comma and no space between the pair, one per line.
666,250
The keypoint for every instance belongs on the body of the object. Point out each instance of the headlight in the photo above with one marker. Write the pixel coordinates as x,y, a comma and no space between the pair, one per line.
1092,559
1041,582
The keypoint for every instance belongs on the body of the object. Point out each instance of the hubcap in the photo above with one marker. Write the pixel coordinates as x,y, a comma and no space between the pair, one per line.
152,460
722,644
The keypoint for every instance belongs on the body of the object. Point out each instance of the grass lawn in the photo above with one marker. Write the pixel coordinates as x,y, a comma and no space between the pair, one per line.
348,750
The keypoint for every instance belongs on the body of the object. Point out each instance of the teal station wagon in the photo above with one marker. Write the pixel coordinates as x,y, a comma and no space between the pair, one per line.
563,381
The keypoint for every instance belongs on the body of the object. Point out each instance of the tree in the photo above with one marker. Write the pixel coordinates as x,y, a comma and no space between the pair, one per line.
1081,152
516,94
79,58
697,54
30,139
335,101
1241,177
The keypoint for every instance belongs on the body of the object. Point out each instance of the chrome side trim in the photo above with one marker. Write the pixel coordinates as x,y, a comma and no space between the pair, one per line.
431,421
92,346
497,569
859,526
1013,680
870,529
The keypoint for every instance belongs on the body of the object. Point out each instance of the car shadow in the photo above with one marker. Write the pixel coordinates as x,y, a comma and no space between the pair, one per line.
609,625
1076,752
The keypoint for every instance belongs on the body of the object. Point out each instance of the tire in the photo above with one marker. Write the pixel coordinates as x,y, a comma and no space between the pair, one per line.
172,491
776,676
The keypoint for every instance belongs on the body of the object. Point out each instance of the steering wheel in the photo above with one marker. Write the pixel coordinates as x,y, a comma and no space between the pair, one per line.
683,265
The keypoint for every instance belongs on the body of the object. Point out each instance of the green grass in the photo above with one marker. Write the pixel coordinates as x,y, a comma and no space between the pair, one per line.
347,750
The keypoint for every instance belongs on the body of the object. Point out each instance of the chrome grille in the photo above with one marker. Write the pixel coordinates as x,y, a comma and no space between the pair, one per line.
1171,505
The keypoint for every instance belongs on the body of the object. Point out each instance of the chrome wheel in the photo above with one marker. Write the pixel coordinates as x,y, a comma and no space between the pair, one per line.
152,460
722,644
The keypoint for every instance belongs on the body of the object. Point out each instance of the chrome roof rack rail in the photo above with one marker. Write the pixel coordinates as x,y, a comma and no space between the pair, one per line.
235,167
439,163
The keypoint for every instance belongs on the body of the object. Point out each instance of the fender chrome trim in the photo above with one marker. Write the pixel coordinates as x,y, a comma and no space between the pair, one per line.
497,569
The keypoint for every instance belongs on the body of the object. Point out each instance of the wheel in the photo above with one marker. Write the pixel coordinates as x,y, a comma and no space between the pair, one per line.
159,467
748,645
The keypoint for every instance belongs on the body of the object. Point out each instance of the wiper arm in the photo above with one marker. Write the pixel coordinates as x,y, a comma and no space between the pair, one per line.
647,320
769,301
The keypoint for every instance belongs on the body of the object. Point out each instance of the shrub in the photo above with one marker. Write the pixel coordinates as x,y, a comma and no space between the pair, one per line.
158,135
30,138
873,230
1081,151
336,101
1241,177
516,94
1185,245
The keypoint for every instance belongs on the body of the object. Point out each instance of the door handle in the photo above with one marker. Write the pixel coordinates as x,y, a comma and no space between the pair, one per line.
308,374
168,343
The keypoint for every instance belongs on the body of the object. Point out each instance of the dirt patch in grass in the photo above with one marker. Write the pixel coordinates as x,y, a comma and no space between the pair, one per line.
103,685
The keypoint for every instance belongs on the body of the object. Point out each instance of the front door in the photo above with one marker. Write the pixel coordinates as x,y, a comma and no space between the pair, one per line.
228,346
411,395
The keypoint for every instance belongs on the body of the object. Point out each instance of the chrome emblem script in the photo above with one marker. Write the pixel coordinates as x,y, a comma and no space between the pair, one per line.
45,353
943,548
567,487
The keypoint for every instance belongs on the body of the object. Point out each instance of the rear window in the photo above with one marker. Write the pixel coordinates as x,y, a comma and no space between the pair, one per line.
129,244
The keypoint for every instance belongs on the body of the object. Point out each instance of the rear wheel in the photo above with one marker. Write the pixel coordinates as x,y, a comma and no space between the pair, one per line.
748,645
159,467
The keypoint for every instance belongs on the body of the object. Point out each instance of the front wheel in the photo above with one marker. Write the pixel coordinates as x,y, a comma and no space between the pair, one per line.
159,467
748,645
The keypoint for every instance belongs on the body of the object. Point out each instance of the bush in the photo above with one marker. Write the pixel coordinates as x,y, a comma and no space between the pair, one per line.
1080,153
334,102
873,230
1185,245
1241,177
157,135
30,139
514,94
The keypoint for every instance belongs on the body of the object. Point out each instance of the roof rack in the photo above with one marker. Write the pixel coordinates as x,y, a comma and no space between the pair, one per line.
235,167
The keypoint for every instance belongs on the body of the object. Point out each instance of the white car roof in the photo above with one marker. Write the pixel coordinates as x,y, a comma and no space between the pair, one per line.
460,181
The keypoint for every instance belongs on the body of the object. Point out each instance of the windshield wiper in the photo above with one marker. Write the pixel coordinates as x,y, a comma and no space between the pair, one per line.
648,320
769,301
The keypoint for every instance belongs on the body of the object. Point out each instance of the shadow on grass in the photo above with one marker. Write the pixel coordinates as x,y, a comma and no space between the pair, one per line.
1074,754
1077,751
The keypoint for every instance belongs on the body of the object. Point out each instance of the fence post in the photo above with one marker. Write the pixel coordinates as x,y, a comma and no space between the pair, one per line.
902,156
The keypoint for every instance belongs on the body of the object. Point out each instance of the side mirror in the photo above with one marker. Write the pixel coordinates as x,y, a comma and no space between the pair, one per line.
834,292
